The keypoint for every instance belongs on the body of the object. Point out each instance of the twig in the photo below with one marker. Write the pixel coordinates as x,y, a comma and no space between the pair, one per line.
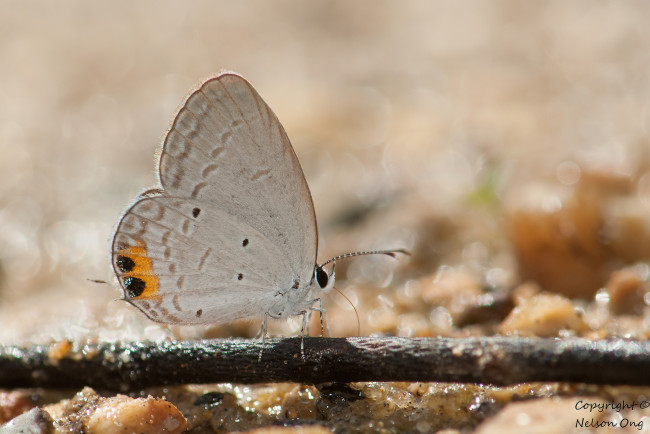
495,360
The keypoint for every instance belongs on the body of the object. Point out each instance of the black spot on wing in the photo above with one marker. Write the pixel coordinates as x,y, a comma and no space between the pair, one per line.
134,286
125,264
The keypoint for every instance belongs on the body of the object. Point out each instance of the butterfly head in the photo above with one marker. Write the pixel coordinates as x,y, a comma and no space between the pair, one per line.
324,279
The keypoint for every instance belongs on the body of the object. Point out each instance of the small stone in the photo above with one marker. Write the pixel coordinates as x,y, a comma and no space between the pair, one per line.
35,421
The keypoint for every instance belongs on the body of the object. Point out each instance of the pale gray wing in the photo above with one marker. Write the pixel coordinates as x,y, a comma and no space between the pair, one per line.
226,147
186,261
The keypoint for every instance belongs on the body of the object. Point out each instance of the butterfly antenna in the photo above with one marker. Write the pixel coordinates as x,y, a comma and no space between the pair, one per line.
390,253
355,310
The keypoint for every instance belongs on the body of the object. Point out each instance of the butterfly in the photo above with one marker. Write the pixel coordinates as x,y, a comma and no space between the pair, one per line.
231,233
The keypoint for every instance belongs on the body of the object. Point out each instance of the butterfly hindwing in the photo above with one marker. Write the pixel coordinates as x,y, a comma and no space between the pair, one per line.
166,256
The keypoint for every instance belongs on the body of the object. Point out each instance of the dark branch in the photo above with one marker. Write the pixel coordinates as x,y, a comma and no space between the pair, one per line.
495,360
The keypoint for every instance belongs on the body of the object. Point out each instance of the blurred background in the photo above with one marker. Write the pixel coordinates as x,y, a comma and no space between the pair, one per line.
477,134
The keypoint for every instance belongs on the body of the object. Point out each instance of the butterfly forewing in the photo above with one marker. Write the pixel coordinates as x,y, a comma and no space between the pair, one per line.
235,153
234,221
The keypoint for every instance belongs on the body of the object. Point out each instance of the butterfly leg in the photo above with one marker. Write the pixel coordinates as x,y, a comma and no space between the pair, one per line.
302,333
308,322
323,313
260,334
264,333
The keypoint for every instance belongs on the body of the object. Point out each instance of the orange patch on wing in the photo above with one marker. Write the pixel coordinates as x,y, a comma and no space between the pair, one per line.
143,270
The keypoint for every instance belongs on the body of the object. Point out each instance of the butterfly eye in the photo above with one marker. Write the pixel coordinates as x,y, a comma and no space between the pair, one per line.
321,277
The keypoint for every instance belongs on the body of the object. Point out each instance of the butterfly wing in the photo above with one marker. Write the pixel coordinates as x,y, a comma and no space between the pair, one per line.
234,221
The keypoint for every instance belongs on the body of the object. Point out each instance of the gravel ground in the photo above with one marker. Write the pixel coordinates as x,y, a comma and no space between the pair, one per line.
504,143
